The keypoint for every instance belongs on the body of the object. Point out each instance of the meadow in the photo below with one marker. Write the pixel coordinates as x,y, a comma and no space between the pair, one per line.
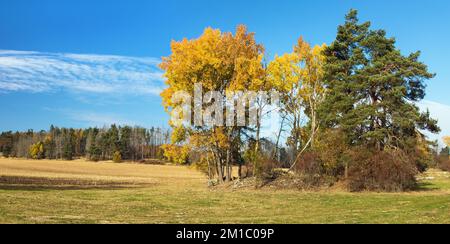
84,192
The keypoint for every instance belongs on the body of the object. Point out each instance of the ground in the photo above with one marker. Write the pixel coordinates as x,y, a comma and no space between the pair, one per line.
86,192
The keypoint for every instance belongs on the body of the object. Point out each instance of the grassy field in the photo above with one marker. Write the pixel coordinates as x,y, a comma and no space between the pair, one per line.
84,192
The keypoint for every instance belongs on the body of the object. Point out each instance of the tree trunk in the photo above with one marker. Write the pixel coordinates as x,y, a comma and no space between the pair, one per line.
240,171
209,168
228,166
313,126
219,170
275,155
258,131
346,170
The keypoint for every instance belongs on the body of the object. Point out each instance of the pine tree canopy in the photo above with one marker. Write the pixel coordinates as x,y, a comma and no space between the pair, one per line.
372,88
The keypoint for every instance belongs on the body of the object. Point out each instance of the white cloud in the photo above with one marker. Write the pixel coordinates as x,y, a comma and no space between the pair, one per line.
41,72
13,52
438,111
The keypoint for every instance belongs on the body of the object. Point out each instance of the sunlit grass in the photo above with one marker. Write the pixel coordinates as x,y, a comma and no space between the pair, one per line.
170,194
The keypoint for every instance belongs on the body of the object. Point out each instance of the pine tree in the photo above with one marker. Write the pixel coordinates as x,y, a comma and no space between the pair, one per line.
93,152
68,144
372,88
124,142
114,139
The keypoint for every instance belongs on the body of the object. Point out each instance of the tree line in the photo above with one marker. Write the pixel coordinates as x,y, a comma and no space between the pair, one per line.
348,109
108,143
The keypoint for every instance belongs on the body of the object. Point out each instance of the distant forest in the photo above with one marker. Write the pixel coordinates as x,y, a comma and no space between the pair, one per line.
108,143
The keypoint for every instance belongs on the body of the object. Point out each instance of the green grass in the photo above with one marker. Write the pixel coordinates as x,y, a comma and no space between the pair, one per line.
189,201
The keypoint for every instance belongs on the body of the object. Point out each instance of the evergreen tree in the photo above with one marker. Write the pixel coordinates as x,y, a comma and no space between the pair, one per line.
124,142
94,152
68,144
114,140
372,88
49,144
6,143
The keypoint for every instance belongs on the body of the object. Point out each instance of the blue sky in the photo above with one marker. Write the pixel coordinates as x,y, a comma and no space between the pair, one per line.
93,62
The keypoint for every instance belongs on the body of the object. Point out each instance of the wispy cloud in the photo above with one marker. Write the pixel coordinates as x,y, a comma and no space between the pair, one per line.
101,74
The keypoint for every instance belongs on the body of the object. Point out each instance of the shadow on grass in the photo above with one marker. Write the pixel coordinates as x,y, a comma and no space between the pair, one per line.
426,187
19,183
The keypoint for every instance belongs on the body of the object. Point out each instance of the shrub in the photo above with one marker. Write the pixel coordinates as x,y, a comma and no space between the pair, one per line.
311,171
443,162
94,154
67,152
422,154
37,151
332,150
265,168
390,171
176,154
245,170
443,159
117,157
310,164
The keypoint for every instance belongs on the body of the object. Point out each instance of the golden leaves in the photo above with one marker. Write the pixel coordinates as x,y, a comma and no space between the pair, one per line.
299,73
446,140
220,138
179,134
176,154
220,61
285,72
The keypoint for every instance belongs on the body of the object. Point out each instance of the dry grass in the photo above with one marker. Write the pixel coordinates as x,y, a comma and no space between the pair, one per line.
86,192
102,171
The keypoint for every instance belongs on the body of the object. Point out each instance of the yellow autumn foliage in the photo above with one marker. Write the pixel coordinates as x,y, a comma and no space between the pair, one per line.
299,73
446,140
176,154
37,150
219,61
179,134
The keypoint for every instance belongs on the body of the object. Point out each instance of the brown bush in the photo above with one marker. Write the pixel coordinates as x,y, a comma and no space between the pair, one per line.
311,172
309,163
443,163
265,169
245,171
391,171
